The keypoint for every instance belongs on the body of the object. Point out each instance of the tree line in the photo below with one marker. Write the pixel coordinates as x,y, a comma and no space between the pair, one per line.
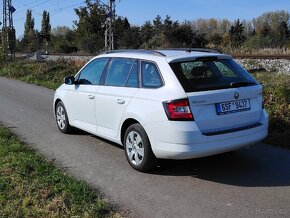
270,30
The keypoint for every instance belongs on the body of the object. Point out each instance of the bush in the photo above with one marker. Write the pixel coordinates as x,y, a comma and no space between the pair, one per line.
47,74
277,104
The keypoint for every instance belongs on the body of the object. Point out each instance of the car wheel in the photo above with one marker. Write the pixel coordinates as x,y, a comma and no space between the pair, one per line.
138,149
62,118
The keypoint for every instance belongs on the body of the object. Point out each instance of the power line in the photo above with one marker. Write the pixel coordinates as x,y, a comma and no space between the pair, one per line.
52,12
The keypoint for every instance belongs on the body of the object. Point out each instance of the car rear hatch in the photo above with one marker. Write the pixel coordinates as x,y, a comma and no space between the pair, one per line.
223,97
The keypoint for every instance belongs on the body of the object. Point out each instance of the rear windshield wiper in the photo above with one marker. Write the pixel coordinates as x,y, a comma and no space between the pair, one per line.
240,84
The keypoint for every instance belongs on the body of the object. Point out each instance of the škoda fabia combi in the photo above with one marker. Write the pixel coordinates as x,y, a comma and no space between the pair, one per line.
168,104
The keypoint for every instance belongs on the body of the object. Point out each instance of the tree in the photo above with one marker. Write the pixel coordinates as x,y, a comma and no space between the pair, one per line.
90,28
45,26
63,40
283,33
30,41
146,33
123,33
236,33
157,25
29,24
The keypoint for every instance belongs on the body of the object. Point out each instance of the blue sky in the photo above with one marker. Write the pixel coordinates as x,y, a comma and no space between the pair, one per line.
138,11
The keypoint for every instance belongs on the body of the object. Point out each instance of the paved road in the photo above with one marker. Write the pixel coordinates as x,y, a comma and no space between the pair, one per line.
252,182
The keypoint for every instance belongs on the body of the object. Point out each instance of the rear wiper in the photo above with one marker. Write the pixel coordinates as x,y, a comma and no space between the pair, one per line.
240,84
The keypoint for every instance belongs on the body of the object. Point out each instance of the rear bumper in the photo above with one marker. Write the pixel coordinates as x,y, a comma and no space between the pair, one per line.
185,141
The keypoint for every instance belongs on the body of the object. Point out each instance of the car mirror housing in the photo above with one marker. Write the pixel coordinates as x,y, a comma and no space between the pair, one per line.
70,80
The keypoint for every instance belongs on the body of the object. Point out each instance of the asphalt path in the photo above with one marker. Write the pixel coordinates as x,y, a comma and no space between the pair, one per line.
251,182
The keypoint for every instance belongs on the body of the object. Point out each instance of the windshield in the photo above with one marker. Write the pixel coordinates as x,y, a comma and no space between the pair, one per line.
205,75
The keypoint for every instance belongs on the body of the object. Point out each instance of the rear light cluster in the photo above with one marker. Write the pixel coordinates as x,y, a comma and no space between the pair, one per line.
178,110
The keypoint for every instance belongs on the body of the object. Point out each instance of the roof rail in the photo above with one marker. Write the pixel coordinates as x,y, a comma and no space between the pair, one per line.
144,51
191,49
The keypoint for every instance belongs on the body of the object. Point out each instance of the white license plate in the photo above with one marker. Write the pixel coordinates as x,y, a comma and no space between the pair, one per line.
233,106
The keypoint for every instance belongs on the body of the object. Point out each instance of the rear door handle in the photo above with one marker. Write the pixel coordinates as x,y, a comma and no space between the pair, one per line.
120,101
91,96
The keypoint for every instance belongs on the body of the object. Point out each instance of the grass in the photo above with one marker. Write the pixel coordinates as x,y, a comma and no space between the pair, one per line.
30,186
47,74
277,104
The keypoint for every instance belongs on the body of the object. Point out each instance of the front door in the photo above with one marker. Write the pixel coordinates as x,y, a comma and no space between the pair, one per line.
82,96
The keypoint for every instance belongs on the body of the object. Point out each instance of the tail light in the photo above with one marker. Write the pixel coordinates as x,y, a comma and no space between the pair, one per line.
178,110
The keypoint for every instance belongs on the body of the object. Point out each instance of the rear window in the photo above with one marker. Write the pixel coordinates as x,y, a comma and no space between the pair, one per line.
211,74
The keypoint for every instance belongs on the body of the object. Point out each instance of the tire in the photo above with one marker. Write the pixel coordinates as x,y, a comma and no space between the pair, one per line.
62,118
138,149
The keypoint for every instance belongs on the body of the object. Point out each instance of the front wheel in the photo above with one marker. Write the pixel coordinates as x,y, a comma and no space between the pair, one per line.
62,118
138,149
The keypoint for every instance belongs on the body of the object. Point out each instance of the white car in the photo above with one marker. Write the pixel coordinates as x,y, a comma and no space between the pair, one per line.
168,104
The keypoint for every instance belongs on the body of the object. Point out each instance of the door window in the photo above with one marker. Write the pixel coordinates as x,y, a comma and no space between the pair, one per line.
133,77
119,71
92,73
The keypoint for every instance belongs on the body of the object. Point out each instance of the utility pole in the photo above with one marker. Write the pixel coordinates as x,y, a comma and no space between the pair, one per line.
8,31
110,24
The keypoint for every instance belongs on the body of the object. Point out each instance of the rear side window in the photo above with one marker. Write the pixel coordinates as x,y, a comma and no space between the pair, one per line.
211,74
150,75
92,73
119,72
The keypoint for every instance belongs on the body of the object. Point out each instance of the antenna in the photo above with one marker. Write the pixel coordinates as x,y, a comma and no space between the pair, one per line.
8,31
110,22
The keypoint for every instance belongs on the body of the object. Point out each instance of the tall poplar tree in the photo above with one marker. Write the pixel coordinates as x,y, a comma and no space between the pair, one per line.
45,26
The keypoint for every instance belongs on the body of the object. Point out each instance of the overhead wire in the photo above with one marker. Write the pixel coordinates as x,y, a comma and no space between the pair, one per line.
53,12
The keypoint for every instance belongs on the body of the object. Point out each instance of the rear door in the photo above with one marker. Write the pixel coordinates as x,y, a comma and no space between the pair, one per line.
119,85
222,95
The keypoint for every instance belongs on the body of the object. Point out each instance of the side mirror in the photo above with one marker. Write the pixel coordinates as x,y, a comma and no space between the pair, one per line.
70,80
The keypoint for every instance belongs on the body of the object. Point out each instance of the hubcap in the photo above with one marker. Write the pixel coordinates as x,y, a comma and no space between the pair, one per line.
134,148
60,117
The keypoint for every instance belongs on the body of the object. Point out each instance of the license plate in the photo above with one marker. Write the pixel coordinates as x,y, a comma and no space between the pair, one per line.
232,106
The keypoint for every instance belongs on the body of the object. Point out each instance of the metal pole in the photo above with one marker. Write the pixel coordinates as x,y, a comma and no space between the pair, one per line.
8,31
109,32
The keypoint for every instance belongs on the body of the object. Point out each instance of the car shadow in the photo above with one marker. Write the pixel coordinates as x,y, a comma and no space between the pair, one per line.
258,166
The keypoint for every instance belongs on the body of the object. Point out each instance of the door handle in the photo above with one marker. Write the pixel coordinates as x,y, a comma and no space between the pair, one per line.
91,96
120,101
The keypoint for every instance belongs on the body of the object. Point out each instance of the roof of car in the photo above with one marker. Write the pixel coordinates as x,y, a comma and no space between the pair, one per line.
172,55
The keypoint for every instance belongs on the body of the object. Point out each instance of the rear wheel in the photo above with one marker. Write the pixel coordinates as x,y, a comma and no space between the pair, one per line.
62,118
138,149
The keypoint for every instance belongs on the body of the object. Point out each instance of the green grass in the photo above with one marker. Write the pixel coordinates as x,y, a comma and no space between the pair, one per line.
30,186
277,104
47,74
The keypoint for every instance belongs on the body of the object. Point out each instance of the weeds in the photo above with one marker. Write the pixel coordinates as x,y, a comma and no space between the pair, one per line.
277,104
30,186
47,74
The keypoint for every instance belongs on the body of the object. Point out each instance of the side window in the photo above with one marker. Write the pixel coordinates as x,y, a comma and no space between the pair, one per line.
118,71
150,75
92,73
133,77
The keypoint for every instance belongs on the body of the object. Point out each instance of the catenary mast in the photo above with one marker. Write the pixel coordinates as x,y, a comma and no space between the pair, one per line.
8,31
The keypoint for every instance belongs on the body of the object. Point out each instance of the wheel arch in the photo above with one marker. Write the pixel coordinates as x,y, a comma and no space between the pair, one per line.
128,122
55,103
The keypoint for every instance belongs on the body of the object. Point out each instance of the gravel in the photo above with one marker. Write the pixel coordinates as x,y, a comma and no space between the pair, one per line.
269,65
